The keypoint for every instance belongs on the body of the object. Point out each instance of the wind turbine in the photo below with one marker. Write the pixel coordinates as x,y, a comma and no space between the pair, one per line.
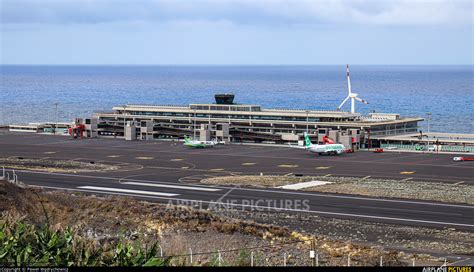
351,95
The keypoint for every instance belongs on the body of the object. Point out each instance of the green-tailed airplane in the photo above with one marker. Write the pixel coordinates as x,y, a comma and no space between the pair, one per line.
198,144
328,149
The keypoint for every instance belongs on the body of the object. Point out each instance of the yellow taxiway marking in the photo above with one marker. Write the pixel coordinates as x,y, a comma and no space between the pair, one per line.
217,169
50,152
323,167
249,163
144,158
113,156
407,172
176,159
288,165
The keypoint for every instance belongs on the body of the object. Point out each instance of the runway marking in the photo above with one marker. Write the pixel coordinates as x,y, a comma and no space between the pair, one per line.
276,208
366,177
185,167
457,183
288,165
302,185
323,167
328,175
249,163
259,190
144,158
50,152
113,156
407,172
176,159
407,179
172,186
107,189
217,169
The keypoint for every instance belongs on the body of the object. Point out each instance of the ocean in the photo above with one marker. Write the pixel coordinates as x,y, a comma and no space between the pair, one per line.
28,93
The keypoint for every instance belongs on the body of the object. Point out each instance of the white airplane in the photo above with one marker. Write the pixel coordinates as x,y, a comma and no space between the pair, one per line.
325,149
198,144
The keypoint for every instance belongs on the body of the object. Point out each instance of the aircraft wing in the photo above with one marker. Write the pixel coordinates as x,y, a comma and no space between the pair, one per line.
297,146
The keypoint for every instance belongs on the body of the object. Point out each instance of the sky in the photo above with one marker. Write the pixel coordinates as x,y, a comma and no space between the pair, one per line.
238,32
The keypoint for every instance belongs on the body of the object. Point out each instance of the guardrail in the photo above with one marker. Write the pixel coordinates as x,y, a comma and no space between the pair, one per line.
6,176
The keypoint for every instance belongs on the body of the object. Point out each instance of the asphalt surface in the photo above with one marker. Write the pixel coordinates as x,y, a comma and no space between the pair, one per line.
166,171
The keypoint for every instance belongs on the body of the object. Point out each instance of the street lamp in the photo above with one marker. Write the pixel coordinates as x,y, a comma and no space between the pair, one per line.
307,120
56,114
428,133
194,125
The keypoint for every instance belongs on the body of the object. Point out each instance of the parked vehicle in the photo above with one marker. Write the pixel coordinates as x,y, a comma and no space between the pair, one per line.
463,159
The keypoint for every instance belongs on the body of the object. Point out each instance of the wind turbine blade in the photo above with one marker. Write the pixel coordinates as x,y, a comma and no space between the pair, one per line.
348,79
342,104
361,100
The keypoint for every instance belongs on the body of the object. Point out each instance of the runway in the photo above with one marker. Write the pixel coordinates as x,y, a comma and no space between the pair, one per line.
166,171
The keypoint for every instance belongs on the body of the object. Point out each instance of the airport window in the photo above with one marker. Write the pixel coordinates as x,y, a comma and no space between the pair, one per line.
220,108
221,116
198,107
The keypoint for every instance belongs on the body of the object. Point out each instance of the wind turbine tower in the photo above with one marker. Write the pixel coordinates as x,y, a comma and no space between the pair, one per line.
352,96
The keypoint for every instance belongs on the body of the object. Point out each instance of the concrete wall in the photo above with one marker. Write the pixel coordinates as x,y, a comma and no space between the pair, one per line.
91,127
130,131
146,130
205,132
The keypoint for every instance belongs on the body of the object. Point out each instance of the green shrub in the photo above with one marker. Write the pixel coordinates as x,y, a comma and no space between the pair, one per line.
27,245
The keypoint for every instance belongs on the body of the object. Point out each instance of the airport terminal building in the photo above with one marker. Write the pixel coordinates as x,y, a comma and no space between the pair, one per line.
226,121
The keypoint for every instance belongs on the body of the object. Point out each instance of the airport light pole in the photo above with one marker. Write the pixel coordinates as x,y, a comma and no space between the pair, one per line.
307,120
56,114
194,126
428,133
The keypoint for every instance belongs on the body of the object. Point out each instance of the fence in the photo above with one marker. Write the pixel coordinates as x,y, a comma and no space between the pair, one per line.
443,148
257,258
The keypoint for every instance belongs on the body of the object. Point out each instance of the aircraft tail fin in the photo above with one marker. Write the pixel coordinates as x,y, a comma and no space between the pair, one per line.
186,139
307,141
